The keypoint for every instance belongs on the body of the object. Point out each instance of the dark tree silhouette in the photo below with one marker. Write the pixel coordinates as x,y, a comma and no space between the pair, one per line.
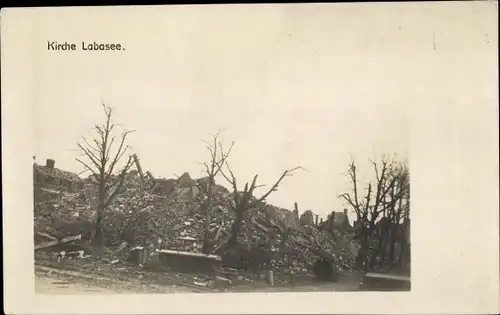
380,211
212,168
102,153
245,200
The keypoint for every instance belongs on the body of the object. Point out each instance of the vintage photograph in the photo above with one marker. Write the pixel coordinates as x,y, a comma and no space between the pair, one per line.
123,228
251,159
222,157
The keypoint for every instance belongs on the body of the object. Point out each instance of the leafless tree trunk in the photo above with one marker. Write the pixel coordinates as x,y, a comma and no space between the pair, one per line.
212,168
102,159
380,203
243,201
396,231
398,209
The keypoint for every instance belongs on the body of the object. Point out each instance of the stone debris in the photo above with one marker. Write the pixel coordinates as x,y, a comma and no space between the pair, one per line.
158,219
221,283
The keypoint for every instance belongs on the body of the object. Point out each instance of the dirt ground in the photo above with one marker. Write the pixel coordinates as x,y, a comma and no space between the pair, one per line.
54,281
45,284
95,277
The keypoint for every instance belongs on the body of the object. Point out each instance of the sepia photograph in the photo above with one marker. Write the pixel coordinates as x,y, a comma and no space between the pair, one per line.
125,228
207,172
221,149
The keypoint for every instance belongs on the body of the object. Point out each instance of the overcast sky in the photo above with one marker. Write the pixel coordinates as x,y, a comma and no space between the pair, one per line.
291,85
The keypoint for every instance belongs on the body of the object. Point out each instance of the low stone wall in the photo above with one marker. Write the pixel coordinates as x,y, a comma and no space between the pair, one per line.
189,262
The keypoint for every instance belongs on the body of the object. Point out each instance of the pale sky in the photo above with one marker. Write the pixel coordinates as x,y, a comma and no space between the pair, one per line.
291,85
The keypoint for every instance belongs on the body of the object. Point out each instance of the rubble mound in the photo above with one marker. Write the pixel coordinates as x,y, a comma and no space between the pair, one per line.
144,215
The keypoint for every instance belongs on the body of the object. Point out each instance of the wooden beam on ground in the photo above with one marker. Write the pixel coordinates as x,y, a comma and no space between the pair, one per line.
47,236
57,242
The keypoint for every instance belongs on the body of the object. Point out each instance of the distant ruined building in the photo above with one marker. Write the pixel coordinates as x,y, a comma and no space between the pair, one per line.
336,221
307,218
47,176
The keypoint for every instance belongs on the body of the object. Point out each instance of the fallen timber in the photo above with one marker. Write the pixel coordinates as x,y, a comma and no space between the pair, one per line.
67,239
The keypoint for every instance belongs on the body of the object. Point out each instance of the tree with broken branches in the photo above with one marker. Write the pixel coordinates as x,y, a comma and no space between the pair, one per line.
380,210
102,153
398,214
245,200
218,157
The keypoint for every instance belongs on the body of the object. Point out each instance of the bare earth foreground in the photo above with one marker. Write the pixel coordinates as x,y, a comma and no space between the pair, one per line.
78,277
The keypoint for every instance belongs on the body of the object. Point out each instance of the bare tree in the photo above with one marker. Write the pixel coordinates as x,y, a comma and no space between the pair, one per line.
245,200
101,155
218,157
380,210
399,215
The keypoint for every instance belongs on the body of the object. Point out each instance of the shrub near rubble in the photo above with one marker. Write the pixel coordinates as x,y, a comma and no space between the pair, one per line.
270,236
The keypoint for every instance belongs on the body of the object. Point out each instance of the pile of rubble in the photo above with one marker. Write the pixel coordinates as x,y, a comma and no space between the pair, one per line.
176,221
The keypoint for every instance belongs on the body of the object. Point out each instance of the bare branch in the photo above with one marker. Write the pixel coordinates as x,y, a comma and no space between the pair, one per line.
214,154
91,156
216,135
259,186
97,150
352,174
232,181
100,131
223,158
207,168
380,186
87,167
368,196
376,169
217,160
349,200
120,183
252,187
110,145
120,152
97,143
275,186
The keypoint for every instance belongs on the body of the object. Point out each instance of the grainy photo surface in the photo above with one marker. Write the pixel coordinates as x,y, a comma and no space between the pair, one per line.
290,150
186,164
130,230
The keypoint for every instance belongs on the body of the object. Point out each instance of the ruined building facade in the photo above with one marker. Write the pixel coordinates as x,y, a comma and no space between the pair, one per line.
307,218
47,176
